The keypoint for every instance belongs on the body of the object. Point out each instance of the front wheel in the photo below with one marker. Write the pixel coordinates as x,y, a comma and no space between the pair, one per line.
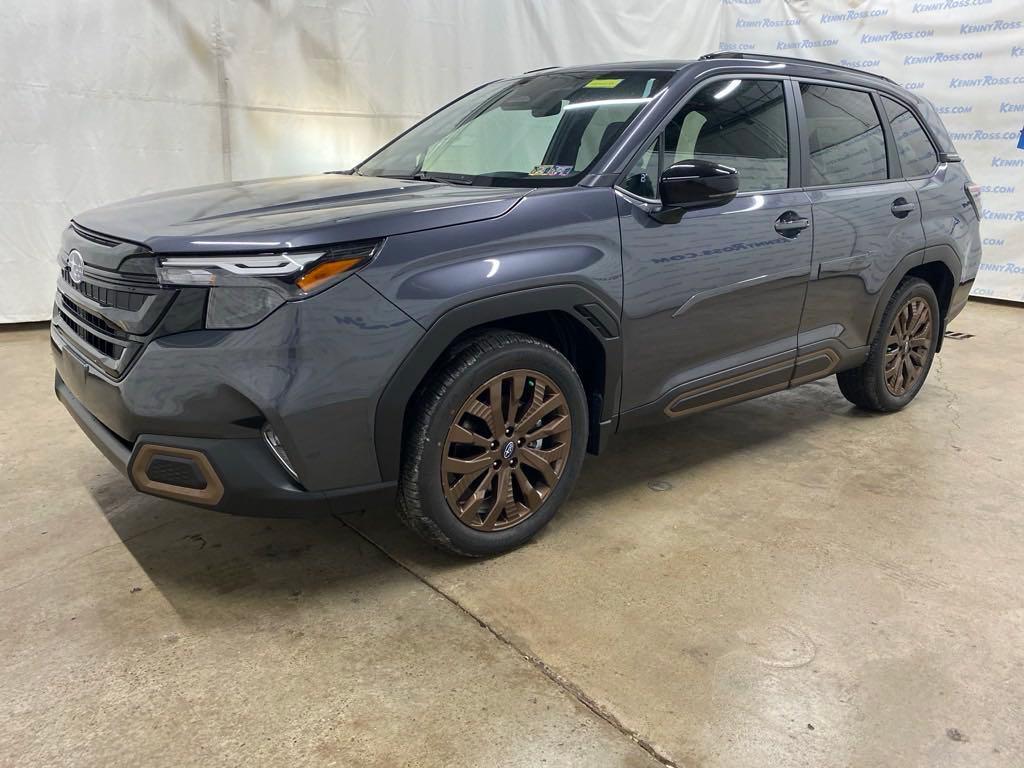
495,445
901,353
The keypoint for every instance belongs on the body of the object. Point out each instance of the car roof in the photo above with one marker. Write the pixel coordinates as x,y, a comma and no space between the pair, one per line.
621,66
687,74
788,65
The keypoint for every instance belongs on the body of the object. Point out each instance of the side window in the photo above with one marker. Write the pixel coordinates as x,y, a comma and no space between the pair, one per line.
845,136
739,123
917,155
642,178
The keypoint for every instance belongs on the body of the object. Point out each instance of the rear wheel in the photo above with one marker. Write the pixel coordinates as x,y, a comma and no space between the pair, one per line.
495,447
901,353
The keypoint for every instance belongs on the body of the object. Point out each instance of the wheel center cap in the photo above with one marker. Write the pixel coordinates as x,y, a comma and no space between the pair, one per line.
509,450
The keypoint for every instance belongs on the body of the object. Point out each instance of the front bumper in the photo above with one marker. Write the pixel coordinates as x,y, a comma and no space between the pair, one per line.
246,479
312,371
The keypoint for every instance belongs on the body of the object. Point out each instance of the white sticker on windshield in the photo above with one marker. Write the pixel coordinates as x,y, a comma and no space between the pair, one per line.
552,170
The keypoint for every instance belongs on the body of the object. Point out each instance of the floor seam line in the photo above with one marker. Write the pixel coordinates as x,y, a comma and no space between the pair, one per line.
561,682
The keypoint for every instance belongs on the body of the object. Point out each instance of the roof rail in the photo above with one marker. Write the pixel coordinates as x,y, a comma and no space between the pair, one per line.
539,69
791,60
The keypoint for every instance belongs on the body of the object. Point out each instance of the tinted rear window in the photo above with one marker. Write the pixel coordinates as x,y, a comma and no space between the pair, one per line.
845,135
917,155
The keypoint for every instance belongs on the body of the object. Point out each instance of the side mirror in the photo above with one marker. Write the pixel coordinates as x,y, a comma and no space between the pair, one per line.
698,184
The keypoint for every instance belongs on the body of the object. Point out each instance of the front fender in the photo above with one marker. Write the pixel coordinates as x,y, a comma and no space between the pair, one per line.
557,250
561,235
576,300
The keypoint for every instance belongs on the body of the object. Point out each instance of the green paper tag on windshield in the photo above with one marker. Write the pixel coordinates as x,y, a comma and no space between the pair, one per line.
606,83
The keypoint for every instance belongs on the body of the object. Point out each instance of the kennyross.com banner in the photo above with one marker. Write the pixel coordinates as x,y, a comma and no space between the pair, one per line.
965,56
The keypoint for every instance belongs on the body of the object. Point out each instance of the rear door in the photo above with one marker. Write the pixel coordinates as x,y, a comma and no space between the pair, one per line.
867,218
947,217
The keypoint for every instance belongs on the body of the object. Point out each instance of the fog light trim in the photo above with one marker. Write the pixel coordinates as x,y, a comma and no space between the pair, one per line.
274,444
209,495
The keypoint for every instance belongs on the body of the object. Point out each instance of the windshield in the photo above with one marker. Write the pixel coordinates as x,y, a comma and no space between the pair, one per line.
542,130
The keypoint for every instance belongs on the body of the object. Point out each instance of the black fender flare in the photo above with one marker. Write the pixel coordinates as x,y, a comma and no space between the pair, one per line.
942,254
593,312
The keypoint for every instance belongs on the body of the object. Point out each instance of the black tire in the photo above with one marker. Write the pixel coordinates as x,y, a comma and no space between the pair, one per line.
866,386
422,504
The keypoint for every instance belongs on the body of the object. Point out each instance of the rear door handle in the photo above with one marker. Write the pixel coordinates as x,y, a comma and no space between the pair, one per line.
901,207
791,224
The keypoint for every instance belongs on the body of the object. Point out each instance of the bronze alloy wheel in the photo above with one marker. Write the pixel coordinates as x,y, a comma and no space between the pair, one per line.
907,346
506,450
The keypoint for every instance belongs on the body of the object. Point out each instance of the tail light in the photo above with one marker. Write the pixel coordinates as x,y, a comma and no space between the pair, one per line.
974,197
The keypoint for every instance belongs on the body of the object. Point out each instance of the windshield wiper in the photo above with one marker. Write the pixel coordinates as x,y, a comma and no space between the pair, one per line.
444,179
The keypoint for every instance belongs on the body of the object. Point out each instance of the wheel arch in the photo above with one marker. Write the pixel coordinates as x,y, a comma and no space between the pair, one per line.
570,317
938,266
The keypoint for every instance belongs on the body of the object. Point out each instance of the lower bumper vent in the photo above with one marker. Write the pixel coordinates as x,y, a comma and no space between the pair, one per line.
176,473
176,470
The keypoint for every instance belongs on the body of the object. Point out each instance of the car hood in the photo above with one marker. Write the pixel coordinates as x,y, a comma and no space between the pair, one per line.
293,212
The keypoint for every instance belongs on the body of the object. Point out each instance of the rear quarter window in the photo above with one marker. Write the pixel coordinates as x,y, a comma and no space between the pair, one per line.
917,155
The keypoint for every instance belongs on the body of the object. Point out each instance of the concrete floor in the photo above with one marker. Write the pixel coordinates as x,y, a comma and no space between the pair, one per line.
784,582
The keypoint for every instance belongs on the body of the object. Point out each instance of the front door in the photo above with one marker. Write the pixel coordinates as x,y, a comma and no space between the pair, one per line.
712,302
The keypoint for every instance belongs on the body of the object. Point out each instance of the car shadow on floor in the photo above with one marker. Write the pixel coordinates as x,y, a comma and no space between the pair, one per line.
782,424
781,421
214,568
192,555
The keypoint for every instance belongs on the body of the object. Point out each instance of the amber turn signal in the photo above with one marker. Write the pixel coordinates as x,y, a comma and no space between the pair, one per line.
324,272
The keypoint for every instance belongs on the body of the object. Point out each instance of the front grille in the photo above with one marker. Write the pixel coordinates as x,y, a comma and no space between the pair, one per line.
109,315
83,314
101,345
106,297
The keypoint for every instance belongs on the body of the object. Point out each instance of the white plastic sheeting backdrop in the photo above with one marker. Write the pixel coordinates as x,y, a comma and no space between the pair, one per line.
108,99
966,56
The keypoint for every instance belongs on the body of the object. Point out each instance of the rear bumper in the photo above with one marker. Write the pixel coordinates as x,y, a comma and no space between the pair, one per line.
234,475
959,299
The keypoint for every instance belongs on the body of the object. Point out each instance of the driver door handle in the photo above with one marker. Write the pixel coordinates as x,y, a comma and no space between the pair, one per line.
791,224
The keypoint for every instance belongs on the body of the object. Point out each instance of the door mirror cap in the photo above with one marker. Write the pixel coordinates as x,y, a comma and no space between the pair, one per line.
698,184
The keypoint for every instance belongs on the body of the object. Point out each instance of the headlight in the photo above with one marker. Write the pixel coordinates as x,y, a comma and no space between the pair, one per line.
244,289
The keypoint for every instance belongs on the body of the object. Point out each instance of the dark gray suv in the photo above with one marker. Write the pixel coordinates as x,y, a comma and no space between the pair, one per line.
539,264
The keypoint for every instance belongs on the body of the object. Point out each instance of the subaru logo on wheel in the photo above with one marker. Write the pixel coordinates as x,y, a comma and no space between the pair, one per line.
76,267
510,448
